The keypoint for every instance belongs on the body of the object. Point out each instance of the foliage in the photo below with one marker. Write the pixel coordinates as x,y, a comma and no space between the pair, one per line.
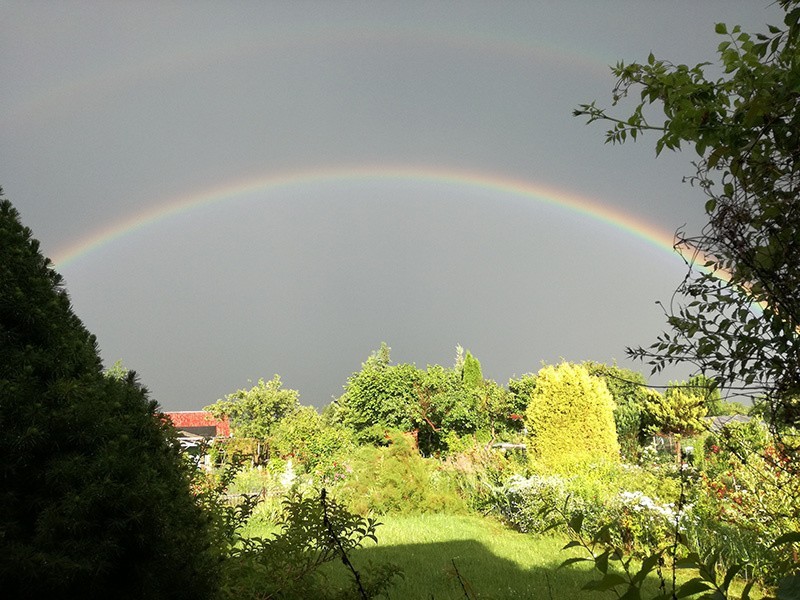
255,412
628,388
312,531
96,498
619,573
479,471
234,449
740,316
676,411
640,504
501,411
447,408
701,573
471,373
439,406
396,479
570,419
305,436
117,371
381,395
708,390
747,499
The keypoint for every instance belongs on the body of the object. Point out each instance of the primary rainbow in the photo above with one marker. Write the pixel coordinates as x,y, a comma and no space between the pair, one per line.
270,184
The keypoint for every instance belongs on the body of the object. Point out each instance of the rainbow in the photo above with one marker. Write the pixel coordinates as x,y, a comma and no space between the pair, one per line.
60,96
266,185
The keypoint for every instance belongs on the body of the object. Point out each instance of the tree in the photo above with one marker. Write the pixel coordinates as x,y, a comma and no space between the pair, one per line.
707,389
255,412
630,394
739,313
381,397
305,435
437,405
471,373
95,499
676,412
736,314
570,418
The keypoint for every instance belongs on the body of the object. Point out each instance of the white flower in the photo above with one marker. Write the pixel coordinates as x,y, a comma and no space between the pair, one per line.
288,477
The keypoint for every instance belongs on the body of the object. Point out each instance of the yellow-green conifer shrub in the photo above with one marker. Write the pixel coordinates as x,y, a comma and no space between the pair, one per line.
570,419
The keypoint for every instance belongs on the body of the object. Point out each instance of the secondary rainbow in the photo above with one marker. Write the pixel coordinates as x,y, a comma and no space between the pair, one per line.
270,184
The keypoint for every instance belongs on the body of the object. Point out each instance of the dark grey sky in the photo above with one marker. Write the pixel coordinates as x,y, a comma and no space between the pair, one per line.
111,111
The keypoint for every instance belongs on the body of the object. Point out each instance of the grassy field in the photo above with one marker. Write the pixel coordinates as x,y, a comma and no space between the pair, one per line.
494,562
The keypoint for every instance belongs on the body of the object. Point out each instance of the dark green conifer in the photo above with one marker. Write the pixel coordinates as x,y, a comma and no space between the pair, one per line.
471,373
95,499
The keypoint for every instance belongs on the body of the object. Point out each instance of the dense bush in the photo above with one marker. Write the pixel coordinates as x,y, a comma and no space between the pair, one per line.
479,471
628,388
570,419
747,498
381,395
254,413
305,436
396,479
639,505
95,500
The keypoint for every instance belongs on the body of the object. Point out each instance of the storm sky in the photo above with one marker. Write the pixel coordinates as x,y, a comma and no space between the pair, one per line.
237,189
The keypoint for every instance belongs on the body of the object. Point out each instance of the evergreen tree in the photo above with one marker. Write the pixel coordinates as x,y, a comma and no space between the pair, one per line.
570,419
471,374
95,499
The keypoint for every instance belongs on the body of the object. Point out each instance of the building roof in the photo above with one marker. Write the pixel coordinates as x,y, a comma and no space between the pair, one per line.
716,424
193,419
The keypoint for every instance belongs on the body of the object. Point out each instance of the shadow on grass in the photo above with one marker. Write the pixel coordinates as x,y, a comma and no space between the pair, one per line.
429,573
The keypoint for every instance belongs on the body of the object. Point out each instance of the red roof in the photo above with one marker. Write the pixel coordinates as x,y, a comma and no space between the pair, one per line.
199,418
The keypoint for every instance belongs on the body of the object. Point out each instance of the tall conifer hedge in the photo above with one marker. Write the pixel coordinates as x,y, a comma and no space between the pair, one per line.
570,419
95,499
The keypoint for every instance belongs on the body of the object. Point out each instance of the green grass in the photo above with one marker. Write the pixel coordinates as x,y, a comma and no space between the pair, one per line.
493,561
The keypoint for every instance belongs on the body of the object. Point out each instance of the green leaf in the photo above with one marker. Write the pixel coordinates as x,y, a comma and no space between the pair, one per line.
729,575
632,593
576,522
601,562
787,538
720,28
692,587
648,564
611,580
574,560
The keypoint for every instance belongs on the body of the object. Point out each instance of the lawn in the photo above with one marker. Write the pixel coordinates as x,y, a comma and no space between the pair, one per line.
494,562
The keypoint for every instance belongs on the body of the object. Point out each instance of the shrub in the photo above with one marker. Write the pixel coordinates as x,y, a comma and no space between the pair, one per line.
747,498
638,504
629,392
570,419
96,499
306,437
478,472
396,479
310,531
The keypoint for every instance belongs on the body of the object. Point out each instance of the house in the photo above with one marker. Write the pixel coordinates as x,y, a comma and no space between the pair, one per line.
199,423
196,430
